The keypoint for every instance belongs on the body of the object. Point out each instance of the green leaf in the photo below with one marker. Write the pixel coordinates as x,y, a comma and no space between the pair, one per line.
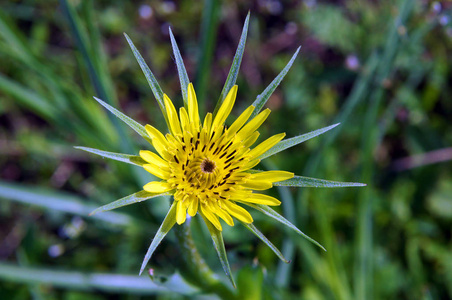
93,282
301,181
273,214
263,238
137,127
262,98
234,71
166,226
127,158
183,76
218,243
134,198
57,201
155,87
287,143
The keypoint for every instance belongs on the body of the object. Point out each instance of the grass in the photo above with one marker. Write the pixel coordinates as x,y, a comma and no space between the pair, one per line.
379,69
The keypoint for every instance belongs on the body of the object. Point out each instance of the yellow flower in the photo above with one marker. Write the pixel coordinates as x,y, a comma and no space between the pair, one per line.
206,165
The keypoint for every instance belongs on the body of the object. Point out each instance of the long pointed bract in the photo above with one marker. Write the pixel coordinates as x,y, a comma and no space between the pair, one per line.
273,214
218,243
134,198
183,76
137,127
166,226
127,158
301,181
262,98
264,239
234,71
287,143
155,87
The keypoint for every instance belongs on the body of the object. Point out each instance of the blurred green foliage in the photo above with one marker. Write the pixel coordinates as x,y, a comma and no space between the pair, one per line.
381,68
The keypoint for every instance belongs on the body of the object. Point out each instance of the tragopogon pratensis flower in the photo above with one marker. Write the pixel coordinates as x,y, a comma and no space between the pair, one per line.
206,166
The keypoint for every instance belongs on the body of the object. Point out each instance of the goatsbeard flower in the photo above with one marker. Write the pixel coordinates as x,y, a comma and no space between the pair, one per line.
206,166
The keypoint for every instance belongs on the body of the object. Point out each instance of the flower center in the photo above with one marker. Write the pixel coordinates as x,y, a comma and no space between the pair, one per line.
207,166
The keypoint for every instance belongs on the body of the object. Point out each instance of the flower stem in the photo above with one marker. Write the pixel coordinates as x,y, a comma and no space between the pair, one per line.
195,268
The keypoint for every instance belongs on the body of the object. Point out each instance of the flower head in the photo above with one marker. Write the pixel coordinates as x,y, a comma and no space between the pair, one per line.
206,165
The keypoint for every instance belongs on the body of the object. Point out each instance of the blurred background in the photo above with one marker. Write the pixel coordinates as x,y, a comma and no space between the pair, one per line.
381,68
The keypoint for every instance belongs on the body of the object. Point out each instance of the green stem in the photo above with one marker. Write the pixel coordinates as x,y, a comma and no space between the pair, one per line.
195,268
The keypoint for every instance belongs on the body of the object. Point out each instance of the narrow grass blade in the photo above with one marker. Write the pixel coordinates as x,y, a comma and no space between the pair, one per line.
137,127
263,238
273,214
97,68
301,181
155,87
287,143
27,98
183,76
364,234
234,71
57,202
207,41
218,243
94,282
262,98
127,158
131,199
14,38
166,226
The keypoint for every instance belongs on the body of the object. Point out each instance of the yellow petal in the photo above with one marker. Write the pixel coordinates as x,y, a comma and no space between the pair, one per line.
257,185
157,171
157,187
254,124
185,121
158,140
172,141
222,214
238,123
225,108
250,164
251,139
260,199
172,116
193,208
211,217
237,212
218,133
207,122
267,144
155,134
272,176
193,105
181,213
153,158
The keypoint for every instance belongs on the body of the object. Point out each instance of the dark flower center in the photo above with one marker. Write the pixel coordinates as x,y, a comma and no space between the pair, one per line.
207,166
